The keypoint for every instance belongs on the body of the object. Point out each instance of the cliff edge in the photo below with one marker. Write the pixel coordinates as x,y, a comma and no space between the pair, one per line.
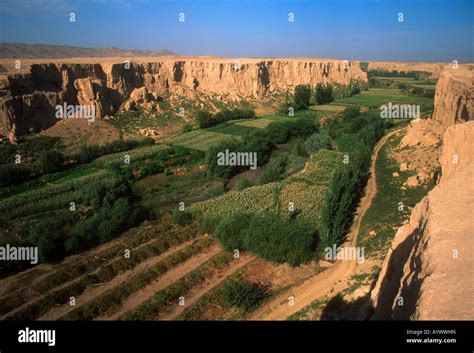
427,273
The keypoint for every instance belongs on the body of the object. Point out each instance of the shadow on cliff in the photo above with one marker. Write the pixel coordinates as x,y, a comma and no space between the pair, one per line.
398,292
395,284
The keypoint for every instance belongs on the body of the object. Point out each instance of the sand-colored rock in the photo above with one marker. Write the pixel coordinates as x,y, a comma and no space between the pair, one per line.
458,149
28,100
430,261
422,132
403,167
453,99
412,181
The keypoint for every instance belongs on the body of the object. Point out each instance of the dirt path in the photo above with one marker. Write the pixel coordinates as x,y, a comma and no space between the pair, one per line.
335,278
211,283
164,281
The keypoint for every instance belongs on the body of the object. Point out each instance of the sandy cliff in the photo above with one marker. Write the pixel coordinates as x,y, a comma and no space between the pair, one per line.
27,101
453,99
427,274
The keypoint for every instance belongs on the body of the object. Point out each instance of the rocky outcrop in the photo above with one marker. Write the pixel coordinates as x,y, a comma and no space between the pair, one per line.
28,101
458,150
453,98
427,273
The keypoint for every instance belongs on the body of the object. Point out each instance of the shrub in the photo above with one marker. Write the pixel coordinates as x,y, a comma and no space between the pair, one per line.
182,217
318,141
229,231
87,153
323,94
244,183
13,174
243,294
49,236
299,149
273,170
204,119
274,239
51,161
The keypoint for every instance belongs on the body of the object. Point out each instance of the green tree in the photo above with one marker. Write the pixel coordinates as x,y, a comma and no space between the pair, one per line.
51,161
302,97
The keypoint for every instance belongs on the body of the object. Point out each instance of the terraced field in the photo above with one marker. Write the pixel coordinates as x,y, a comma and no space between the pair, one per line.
135,155
199,139
104,282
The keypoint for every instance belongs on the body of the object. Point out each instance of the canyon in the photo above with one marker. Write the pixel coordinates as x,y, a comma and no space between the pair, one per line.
28,99
429,265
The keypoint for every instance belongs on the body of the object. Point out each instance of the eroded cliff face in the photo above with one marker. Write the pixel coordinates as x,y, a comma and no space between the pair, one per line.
28,101
427,273
453,99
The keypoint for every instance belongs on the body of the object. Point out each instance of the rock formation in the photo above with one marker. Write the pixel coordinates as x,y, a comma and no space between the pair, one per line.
453,99
27,101
427,273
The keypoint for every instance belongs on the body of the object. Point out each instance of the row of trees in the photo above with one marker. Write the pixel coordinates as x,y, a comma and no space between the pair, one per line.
356,136
206,119
322,93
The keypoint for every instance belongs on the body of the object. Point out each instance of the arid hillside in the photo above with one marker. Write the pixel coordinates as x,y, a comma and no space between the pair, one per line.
22,50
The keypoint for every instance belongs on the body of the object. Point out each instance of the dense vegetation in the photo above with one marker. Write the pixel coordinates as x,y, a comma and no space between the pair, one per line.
356,134
269,236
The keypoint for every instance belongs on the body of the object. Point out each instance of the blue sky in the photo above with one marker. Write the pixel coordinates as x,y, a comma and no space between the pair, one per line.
432,30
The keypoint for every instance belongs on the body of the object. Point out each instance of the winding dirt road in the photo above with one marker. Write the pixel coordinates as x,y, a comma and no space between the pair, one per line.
335,278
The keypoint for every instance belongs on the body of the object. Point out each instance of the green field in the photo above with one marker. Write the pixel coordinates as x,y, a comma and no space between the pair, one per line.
375,97
333,108
383,216
305,190
429,84
136,154
200,139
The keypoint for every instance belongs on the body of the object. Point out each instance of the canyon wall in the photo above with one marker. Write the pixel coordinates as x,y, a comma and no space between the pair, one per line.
28,101
453,97
427,273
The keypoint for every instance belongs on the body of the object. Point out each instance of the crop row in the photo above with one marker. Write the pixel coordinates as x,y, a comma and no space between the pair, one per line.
48,192
113,298
199,139
137,154
103,274
152,308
